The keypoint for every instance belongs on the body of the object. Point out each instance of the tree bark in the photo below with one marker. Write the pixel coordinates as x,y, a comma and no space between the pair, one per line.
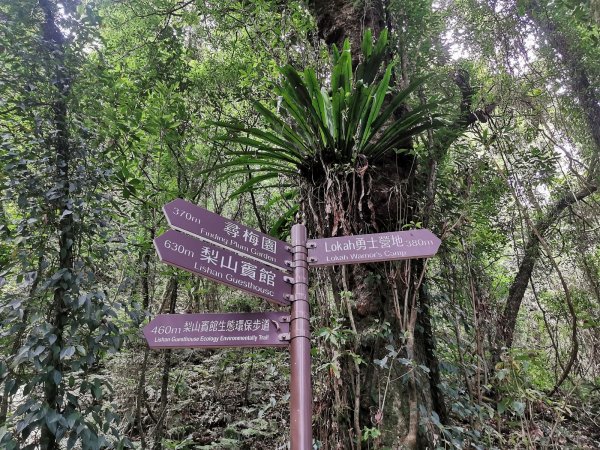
341,19
425,333
141,387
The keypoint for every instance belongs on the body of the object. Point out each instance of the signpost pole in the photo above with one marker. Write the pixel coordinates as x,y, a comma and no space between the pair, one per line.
300,377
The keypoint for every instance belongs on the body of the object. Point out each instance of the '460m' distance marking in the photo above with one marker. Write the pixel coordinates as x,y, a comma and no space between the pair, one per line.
166,329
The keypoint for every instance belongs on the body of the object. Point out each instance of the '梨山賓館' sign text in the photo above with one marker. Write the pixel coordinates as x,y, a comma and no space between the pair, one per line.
223,266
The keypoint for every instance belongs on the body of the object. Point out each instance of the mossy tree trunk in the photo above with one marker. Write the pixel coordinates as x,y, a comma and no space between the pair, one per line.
383,308
386,303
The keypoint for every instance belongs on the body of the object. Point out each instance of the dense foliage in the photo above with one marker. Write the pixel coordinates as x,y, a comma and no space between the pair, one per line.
479,120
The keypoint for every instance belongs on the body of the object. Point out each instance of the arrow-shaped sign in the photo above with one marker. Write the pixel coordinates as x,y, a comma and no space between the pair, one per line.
208,226
223,266
372,247
259,329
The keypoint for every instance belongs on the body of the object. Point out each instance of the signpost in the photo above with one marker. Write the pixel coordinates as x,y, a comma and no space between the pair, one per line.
246,259
208,226
262,329
223,266
300,379
372,247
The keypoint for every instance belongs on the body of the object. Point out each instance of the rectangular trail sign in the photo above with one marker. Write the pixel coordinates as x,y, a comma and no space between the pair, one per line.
259,329
223,266
208,226
372,247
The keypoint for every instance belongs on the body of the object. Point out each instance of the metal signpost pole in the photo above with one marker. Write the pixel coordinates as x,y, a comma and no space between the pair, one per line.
300,382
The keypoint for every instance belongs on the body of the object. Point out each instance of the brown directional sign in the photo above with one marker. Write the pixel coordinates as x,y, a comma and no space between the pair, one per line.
208,226
372,247
258,329
223,266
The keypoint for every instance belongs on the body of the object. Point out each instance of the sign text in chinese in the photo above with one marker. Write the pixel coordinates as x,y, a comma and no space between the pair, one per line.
221,265
261,329
372,247
208,226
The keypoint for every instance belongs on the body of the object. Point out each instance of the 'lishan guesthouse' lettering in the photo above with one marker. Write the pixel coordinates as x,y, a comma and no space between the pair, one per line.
222,265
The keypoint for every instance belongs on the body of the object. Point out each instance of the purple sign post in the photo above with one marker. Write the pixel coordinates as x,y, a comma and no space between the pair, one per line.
222,256
300,376
262,329
223,266
372,247
208,226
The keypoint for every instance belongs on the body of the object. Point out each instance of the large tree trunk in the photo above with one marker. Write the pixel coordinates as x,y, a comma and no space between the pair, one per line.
366,199
371,198
341,19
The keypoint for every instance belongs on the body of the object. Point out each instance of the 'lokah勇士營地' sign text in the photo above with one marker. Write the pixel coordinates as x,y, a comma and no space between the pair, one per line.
372,247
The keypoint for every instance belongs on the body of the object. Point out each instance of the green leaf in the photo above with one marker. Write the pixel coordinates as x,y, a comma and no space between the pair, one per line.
381,362
518,407
368,69
380,94
278,227
299,103
21,356
396,102
341,77
72,440
289,143
290,136
96,390
358,107
38,350
252,182
501,407
367,43
67,352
